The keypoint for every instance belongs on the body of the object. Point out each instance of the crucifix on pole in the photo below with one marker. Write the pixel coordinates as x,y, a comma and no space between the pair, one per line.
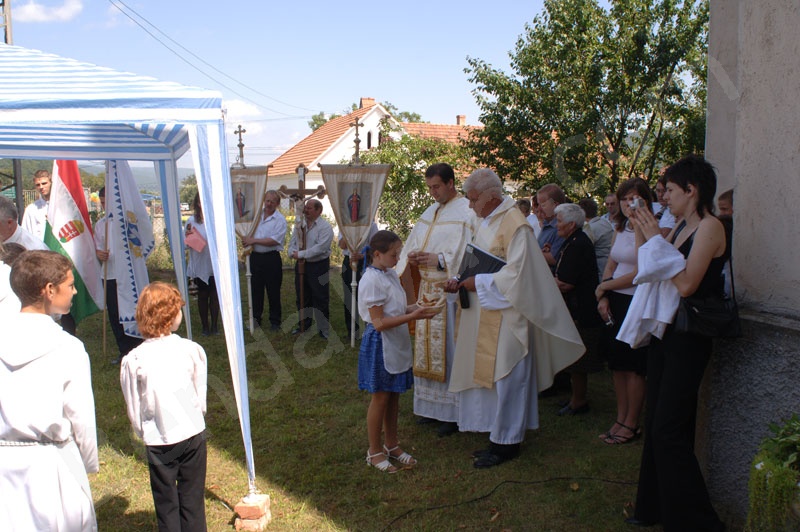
298,196
357,141
240,158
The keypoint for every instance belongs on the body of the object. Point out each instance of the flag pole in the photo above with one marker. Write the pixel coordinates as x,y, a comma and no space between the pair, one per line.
105,292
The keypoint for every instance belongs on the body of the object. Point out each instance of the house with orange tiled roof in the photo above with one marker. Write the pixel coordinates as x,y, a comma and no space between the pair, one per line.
332,143
452,133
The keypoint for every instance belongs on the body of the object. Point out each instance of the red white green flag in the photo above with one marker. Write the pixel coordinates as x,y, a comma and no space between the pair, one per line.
69,232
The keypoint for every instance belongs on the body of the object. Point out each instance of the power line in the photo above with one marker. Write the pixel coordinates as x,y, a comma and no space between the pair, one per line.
146,30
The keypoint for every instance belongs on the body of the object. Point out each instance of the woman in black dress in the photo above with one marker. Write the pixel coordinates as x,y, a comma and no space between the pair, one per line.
672,490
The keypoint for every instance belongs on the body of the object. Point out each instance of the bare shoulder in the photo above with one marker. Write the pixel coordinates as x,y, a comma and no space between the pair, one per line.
711,230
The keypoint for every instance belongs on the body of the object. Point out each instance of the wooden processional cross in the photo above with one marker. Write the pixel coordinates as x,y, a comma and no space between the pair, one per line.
298,196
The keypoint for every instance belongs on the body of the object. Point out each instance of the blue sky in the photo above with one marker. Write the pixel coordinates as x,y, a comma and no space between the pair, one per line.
303,57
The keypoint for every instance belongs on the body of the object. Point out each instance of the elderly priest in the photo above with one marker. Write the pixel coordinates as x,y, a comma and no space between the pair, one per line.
517,332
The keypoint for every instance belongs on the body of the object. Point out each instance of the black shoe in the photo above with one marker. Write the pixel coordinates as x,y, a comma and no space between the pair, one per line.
274,328
491,460
639,522
447,428
296,330
569,411
323,335
205,331
421,420
496,454
480,453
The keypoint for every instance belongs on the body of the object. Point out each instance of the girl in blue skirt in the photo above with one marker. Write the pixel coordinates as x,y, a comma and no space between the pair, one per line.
385,358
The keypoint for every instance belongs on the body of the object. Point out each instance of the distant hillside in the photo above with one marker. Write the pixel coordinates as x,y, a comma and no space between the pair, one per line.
146,179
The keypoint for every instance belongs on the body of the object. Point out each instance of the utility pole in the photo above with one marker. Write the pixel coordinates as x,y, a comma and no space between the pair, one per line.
5,26
5,21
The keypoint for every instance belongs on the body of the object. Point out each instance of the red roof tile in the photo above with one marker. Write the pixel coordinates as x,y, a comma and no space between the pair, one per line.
449,132
310,148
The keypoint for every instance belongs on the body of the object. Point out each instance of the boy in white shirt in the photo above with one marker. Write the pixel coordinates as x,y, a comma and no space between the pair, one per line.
164,384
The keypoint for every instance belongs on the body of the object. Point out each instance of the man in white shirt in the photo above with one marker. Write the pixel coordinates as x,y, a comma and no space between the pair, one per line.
265,260
315,256
599,230
34,219
107,247
612,208
10,230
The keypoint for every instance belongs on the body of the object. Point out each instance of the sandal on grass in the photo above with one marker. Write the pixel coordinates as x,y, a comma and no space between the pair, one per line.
404,458
618,439
384,465
607,434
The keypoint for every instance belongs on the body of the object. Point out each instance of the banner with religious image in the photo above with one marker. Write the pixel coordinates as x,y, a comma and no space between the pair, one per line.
354,192
248,186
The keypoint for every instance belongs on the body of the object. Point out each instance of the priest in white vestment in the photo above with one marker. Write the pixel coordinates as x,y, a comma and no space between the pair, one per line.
434,249
517,332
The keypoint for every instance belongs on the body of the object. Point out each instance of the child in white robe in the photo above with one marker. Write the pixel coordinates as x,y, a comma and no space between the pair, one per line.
48,437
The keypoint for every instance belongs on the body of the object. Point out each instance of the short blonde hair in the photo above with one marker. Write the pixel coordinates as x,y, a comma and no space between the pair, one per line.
158,305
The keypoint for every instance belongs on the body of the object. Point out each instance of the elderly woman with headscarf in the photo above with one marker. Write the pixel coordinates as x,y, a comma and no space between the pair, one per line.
576,277
48,438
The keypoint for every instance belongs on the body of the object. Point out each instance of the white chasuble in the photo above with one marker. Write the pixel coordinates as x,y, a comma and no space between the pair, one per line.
534,321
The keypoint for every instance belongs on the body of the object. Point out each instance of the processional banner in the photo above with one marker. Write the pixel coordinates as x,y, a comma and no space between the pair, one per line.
354,191
248,186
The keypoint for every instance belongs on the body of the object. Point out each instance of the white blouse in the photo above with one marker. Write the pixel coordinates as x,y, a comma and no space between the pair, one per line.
382,288
623,252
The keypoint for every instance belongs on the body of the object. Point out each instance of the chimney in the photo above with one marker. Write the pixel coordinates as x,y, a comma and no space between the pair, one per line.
366,102
461,120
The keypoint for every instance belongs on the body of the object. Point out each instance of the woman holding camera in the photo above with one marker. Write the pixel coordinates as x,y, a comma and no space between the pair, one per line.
672,490
614,295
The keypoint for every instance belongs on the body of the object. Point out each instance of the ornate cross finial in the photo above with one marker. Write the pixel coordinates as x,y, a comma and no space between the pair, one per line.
357,141
240,159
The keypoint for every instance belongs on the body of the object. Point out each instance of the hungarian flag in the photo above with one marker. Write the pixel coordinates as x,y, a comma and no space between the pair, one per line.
69,232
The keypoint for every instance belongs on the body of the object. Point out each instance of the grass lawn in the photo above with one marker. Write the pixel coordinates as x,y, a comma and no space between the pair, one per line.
309,439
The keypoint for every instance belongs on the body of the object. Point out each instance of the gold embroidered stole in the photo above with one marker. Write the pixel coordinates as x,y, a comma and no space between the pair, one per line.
430,339
491,320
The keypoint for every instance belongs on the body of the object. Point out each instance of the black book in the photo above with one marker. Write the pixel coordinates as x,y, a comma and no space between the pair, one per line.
476,260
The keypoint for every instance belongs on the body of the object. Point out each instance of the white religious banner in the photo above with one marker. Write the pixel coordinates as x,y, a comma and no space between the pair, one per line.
130,227
248,186
354,191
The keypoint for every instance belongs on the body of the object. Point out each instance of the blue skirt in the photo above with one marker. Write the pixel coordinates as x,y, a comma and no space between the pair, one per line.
372,374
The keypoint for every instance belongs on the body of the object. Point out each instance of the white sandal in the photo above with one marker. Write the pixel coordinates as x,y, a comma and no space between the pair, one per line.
384,465
404,458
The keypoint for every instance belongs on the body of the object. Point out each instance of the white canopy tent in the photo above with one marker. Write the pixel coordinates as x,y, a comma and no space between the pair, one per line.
57,108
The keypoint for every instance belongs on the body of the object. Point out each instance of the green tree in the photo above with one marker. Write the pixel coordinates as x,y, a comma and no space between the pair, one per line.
401,116
188,189
405,195
321,118
595,95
